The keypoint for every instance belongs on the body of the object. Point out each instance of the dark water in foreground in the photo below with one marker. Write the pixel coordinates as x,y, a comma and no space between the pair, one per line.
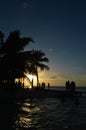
42,113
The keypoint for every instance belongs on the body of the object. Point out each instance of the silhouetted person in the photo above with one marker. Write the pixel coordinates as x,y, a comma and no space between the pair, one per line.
43,85
68,85
19,84
48,85
73,86
23,85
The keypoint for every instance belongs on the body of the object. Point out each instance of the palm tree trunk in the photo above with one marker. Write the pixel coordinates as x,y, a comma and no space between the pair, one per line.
37,80
37,77
32,82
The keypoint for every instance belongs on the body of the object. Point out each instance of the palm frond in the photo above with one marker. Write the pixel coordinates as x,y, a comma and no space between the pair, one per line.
45,59
23,42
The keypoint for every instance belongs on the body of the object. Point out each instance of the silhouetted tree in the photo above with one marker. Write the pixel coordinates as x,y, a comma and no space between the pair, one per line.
12,60
36,62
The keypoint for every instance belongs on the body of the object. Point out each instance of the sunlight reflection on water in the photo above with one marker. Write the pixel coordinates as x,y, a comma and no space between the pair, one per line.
43,114
26,117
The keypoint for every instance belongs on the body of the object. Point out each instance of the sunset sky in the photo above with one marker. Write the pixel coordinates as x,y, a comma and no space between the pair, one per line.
58,28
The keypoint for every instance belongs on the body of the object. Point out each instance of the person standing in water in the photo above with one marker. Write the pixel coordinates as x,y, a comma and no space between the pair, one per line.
48,85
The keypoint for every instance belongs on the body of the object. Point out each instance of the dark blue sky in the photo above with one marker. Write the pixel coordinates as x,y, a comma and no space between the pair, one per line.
58,28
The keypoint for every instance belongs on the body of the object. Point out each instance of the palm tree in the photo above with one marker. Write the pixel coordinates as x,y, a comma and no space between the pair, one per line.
36,62
13,61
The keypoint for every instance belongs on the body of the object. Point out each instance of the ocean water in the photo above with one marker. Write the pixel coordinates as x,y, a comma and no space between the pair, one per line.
63,88
43,113
50,113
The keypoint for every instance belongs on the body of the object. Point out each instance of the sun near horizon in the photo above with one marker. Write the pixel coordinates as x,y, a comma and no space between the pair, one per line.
52,80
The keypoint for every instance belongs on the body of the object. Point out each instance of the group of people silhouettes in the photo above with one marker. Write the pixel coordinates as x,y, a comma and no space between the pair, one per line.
70,86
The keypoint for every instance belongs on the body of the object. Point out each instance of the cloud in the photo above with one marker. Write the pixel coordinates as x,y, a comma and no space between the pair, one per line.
26,5
53,77
64,76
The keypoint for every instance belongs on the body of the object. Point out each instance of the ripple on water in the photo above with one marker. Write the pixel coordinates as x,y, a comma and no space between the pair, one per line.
45,113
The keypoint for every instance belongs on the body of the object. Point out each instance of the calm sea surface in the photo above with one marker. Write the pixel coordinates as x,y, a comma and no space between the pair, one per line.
43,113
